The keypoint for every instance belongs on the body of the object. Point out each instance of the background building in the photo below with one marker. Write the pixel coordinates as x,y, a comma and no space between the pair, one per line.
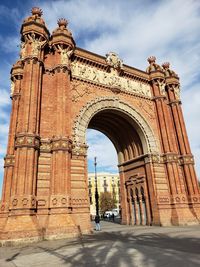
106,182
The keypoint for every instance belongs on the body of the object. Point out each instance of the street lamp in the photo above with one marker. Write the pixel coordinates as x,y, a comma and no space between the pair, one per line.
96,188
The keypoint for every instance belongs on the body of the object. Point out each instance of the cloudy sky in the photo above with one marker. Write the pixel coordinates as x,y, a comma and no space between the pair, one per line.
135,29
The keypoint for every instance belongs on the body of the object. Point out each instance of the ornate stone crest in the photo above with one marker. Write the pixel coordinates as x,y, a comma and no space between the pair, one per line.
114,61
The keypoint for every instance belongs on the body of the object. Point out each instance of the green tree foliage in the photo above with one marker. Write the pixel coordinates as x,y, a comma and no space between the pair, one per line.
107,202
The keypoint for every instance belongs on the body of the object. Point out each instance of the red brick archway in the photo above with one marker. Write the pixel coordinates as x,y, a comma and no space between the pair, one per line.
59,90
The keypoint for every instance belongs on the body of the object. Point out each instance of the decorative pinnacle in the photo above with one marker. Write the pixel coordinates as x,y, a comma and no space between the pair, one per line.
62,22
166,65
36,11
151,59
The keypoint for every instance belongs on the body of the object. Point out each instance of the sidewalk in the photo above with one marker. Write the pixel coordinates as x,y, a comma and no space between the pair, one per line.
114,246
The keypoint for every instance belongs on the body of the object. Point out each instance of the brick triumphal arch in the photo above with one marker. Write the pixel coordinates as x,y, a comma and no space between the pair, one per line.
58,91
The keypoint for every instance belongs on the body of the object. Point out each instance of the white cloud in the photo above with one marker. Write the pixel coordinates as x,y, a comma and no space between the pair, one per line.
102,148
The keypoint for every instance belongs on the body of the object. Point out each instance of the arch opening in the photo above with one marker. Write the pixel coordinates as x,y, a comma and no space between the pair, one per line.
118,128
134,140
123,132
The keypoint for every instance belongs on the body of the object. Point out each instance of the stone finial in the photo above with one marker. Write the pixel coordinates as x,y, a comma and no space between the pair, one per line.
151,59
168,72
152,65
62,35
62,22
36,11
166,65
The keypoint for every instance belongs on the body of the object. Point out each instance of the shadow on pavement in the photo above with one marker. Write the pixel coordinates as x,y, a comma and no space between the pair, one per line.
118,249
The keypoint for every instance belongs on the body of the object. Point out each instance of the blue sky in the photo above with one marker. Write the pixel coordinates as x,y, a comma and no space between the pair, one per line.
135,29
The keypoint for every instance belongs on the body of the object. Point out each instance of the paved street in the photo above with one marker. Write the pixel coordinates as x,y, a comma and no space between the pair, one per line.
114,246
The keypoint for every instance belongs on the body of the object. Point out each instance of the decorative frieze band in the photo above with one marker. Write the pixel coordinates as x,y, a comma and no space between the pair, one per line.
79,149
59,201
9,160
178,199
23,202
79,202
55,144
27,140
169,157
110,79
58,68
186,159
61,143
35,59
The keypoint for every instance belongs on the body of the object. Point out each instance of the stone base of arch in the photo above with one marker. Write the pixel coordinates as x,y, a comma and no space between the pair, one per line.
31,228
177,216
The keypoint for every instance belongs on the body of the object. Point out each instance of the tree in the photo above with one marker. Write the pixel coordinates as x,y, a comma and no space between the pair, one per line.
107,202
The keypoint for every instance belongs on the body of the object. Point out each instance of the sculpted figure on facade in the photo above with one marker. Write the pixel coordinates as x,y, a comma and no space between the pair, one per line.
114,61
65,55
161,85
36,44
177,92
23,50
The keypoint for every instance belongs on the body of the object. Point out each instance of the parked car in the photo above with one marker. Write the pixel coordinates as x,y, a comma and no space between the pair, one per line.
107,214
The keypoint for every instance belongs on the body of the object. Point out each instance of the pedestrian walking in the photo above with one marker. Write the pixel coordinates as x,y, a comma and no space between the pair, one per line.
113,217
97,223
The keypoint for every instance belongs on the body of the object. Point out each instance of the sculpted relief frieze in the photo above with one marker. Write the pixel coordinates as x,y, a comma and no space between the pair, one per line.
111,79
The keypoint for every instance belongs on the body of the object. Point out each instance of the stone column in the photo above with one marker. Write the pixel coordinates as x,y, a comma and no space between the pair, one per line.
123,201
186,158
16,77
22,221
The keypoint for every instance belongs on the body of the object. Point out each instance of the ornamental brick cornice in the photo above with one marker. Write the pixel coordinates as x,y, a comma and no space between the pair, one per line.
172,80
155,75
60,68
27,140
9,161
17,70
34,59
98,61
33,26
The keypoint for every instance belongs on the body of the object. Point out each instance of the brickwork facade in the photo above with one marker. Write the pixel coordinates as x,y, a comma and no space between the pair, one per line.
58,91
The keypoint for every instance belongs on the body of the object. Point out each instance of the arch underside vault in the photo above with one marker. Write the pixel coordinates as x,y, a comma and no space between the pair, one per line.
119,130
123,124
